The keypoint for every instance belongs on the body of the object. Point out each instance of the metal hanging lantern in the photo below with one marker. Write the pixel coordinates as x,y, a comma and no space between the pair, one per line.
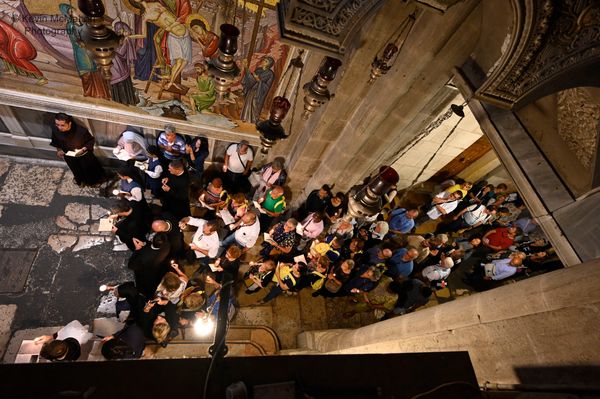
98,39
316,92
223,70
368,199
271,130
388,54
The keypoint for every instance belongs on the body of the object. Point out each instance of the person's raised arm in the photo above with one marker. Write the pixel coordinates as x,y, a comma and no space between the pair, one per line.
144,33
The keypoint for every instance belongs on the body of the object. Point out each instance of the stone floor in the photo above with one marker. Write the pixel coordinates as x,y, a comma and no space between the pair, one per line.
41,209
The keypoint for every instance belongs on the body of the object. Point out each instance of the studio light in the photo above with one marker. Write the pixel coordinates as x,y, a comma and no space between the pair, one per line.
271,130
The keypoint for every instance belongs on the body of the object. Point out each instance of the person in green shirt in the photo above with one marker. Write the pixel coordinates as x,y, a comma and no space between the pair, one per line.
205,96
271,206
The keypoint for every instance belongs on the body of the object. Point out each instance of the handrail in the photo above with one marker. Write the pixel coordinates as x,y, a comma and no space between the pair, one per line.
258,347
269,330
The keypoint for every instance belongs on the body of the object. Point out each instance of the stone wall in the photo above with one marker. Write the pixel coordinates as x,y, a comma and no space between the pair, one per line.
364,126
565,127
547,323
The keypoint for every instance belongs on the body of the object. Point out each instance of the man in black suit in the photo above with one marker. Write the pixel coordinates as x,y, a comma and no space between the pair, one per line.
170,226
149,263
175,190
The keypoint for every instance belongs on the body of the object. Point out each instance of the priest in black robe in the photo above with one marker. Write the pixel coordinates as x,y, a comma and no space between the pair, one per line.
150,263
175,195
68,136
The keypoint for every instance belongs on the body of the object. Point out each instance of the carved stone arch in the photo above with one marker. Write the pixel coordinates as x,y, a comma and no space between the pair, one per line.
325,25
554,45
330,26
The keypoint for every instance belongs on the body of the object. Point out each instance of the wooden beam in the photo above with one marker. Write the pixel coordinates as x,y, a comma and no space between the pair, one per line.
262,3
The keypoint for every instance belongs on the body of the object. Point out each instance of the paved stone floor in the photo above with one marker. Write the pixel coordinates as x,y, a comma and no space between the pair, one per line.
41,209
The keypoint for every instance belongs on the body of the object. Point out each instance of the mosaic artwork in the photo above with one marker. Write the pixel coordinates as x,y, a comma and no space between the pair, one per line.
161,63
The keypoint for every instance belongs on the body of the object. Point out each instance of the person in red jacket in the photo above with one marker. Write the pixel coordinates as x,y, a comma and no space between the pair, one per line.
500,238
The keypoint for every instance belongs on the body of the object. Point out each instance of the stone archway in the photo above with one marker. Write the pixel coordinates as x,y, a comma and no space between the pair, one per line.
553,46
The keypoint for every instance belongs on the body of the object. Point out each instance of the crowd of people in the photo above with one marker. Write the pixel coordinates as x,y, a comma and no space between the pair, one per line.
188,242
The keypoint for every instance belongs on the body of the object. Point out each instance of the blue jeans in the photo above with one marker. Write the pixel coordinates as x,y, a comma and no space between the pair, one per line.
227,242
274,293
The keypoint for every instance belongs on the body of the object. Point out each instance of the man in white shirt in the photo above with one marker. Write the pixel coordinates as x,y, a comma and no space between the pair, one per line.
65,344
440,271
247,230
237,164
205,242
476,215
472,216
444,203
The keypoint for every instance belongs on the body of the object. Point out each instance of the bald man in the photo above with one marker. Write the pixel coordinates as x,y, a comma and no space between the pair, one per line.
246,232
272,205
174,234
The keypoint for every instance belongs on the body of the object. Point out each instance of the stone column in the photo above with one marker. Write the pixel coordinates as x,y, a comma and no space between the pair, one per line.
18,135
541,188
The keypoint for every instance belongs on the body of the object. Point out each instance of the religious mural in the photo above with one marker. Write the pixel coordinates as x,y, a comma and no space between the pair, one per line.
162,63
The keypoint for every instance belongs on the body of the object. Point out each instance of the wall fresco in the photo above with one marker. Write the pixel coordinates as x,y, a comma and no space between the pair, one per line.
160,66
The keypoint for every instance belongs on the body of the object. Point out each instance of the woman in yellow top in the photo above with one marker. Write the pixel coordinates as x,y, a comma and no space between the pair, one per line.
286,279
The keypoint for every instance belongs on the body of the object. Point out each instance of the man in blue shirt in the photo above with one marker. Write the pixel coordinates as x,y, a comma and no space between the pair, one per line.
401,263
414,294
402,220
377,255
171,144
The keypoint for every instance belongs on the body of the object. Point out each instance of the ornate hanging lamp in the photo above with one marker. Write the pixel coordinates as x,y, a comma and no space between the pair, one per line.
316,92
223,70
271,130
388,54
98,39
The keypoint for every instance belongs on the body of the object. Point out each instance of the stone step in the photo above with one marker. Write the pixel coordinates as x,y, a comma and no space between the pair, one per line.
313,311
287,319
294,352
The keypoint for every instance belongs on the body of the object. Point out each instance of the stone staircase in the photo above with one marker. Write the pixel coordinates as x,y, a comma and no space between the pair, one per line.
288,316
